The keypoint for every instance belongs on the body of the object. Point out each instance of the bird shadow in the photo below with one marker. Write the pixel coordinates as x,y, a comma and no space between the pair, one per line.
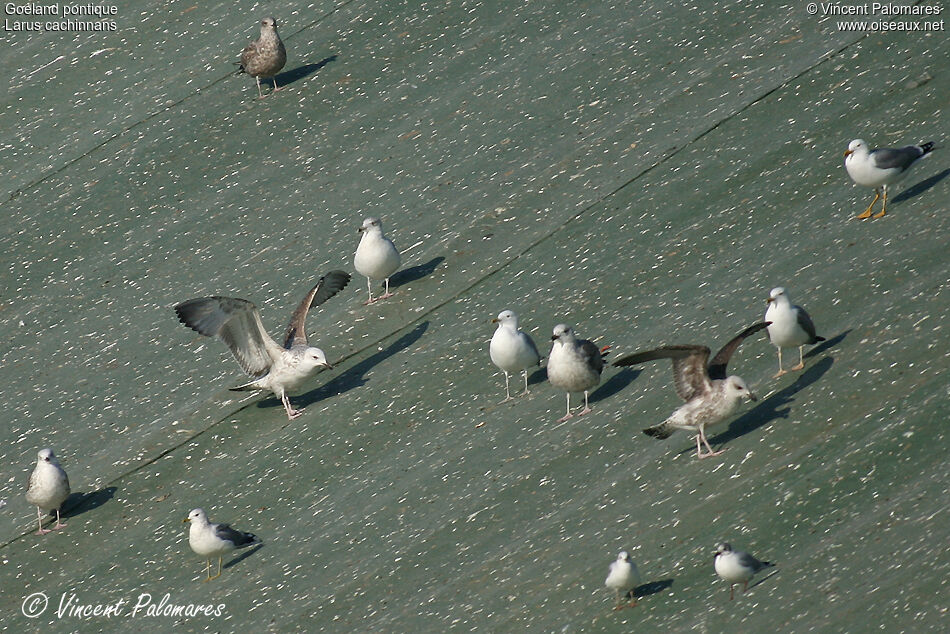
538,376
413,273
79,503
921,187
766,577
615,384
296,74
653,587
355,376
774,407
827,344
244,555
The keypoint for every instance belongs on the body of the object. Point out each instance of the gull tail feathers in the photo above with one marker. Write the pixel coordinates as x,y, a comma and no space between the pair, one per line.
247,387
661,431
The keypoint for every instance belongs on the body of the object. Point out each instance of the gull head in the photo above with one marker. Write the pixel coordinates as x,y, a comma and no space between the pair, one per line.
776,293
723,548
562,333
371,224
314,358
268,23
623,556
858,146
506,317
198,516
736,388
46,455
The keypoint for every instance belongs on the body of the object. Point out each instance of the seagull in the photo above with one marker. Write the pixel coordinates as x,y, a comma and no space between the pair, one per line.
48,488
376,256
622,579
574,365
709,394
881,167
265,56
512,350
736,566
791,327
237,323
214,540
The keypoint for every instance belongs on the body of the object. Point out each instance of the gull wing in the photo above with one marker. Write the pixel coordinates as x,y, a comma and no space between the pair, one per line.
804,320
328,286
689,367
591,355
900,158
237,323
236,537
717,367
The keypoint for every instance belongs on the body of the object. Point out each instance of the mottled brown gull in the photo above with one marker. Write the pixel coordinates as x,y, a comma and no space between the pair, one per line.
710,395
237,323
265,56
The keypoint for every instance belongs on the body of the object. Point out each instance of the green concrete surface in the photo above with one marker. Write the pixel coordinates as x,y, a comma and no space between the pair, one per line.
642,171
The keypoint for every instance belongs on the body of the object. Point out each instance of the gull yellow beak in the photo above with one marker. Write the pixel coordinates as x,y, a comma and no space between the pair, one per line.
494,320
186,520
848,152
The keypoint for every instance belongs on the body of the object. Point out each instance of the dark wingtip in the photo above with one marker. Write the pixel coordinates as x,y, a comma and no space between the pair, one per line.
929,146
656,432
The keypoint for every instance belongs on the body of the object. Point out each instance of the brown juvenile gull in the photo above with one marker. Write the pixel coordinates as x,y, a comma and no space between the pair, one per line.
736,566
376,257
709,394
881,167
791,327
214,540
265,56
237,323
622,579
574,365
512,350
48,488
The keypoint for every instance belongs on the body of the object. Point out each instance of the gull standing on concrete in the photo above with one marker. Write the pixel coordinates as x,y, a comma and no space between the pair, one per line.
512,350
790,327
376,257
710,395
237,323
736,566
214,540
574,365
881,167
265,56
622,579
48,488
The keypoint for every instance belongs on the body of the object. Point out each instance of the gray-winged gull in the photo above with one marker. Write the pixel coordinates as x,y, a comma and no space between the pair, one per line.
48,488
574,365
376,257
881,167
265,56
735,566
709,394
237,323
622,579
790,327
512,350
214,540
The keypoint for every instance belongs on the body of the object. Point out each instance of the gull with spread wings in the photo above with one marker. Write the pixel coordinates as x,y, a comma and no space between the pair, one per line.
237,322
709,393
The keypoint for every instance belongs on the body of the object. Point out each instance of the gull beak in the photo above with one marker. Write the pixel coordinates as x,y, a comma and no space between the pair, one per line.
553,337
769,300
361,229
186,520
328,366
494,320
848,153
753,397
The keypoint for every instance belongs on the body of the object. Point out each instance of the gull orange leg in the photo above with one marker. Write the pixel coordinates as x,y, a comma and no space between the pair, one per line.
881,213
867,212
